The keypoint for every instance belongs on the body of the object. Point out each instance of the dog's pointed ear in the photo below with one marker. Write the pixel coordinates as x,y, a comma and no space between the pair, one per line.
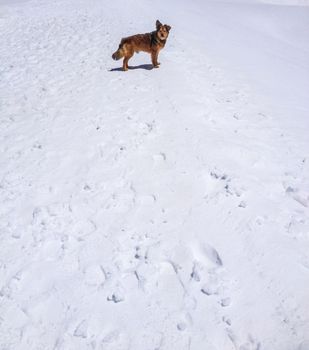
168,28
158,24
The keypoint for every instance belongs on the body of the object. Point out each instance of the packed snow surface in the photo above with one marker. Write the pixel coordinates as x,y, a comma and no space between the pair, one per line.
157,209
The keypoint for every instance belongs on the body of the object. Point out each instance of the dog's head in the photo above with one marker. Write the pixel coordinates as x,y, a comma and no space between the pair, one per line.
162,30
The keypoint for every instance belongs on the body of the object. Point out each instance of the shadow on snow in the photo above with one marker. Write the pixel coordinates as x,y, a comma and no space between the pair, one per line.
141,66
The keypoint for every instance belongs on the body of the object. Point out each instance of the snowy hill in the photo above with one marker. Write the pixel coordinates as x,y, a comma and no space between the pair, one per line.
154,209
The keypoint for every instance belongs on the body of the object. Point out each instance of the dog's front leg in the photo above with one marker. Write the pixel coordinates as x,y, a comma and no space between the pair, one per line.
154,56
125,64
126,60
157,55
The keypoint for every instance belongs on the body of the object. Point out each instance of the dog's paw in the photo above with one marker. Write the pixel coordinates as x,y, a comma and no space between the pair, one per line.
156,66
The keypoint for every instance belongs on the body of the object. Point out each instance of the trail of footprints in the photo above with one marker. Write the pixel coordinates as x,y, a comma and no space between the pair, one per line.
137,260
202,275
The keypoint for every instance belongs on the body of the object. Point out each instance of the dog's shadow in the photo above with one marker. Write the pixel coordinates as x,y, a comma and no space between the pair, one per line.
141,66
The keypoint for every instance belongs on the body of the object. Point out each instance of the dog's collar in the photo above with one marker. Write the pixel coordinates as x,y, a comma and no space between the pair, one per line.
155,40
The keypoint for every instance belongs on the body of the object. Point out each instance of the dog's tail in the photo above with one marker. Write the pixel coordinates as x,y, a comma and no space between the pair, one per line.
118,54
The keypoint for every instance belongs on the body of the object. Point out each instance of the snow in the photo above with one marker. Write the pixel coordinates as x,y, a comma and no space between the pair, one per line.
154,209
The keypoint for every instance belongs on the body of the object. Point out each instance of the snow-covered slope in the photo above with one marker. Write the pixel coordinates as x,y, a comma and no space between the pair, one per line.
154,209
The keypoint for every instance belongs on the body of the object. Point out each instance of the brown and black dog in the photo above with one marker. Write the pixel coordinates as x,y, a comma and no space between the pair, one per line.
150,42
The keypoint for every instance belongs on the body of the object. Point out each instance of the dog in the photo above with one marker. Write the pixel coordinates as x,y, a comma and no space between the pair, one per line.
152,43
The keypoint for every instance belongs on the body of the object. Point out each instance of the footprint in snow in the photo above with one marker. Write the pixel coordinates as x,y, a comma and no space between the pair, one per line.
208,273
217,183
250,344
210,289
159,158
299,197
81,330
111,337
116,297
207,254
207,262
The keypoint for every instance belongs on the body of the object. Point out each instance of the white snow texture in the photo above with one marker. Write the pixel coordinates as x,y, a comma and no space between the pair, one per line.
154,209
